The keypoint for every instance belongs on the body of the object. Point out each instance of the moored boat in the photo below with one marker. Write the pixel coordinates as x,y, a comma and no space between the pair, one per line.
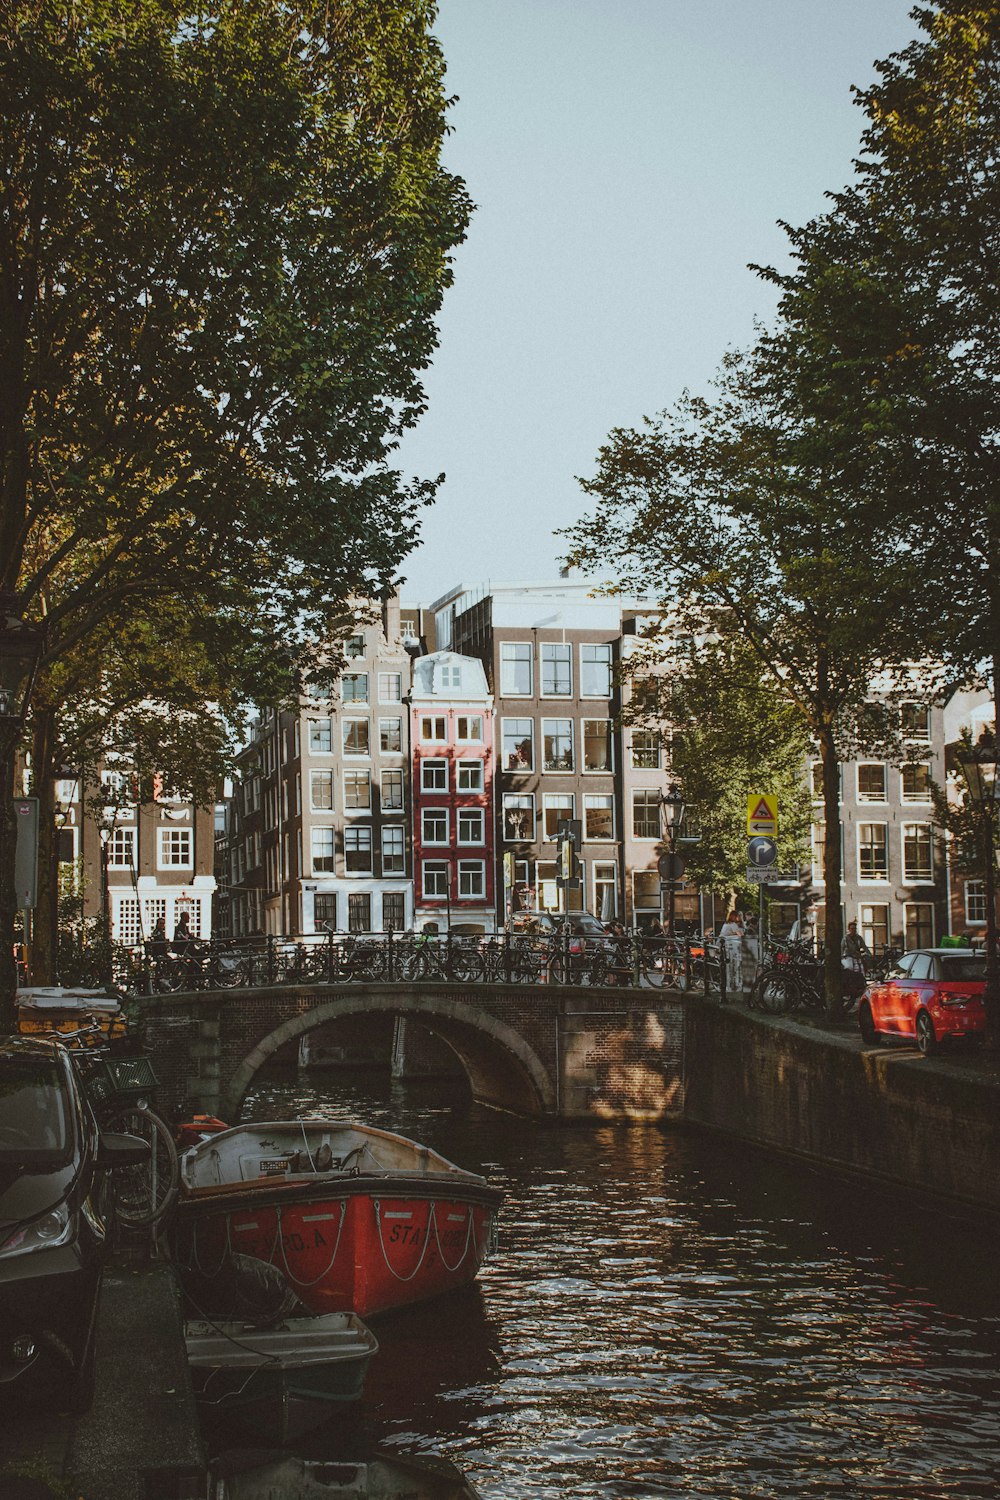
385,1476
282,1380
357,1219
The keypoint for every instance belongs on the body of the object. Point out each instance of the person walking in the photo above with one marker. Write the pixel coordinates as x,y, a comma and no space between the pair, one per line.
855,955
731,938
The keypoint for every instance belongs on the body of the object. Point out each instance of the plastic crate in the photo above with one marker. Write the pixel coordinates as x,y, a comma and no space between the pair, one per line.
121,1078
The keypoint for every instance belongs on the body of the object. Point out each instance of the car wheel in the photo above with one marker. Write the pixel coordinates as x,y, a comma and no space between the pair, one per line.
866,1025
926,1040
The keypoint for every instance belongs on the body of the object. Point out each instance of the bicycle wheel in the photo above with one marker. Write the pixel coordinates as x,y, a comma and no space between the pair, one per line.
466,965
143,1193
769,993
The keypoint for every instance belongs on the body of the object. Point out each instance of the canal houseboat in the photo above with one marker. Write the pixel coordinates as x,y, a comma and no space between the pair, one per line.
356,1219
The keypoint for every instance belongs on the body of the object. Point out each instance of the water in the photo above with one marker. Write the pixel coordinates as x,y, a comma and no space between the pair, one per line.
670,1315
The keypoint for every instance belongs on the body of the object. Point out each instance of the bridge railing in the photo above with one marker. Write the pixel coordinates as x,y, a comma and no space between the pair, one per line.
631,960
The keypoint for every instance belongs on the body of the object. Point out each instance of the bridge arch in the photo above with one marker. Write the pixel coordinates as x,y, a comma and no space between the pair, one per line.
503,1069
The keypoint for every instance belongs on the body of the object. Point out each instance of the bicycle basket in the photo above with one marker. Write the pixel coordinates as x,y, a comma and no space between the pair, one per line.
121,1078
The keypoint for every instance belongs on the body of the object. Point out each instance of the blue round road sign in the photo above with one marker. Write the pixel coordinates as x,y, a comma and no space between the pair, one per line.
762,851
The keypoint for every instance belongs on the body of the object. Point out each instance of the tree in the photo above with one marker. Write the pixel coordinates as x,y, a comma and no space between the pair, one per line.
217,292
735,508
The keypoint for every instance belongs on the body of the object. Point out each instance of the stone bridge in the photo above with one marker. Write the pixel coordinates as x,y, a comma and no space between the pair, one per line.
568,1052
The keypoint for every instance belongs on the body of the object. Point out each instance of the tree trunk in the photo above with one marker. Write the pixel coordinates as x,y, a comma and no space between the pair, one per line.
9,739
991,996
834,925
43,724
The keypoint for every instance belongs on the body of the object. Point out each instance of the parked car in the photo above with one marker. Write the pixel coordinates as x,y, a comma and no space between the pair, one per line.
586,932
52,1236
929,995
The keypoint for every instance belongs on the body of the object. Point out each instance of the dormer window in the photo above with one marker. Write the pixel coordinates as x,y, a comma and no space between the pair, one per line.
451,677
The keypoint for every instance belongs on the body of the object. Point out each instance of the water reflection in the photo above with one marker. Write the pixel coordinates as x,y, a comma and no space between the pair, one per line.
672,1315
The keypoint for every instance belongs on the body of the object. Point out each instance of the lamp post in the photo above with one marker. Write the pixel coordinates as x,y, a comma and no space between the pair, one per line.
671,864
979,767
20,650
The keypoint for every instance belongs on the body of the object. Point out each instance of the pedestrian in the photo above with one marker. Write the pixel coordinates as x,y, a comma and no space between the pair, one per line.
855,955
731,938
158,945
183,936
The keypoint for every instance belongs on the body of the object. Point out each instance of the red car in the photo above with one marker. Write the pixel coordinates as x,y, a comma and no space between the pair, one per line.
931,994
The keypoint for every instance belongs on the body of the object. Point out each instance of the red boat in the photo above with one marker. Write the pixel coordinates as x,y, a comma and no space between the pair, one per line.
356,1219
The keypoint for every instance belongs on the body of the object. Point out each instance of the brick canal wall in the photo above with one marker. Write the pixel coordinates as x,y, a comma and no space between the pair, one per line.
889,1115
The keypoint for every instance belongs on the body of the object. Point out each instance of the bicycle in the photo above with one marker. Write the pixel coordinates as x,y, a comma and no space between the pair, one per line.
118,1088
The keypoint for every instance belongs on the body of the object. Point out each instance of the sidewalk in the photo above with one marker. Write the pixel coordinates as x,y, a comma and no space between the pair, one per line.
141,1440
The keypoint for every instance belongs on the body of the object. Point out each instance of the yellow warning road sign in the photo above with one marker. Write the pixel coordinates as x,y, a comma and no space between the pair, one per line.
762,814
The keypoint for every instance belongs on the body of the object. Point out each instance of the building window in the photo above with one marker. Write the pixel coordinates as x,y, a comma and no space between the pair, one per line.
875,926
321,790
354,647
66,845
392,791
605,891
518,744
975,902
358,849
356,737
359,911
175,849
393,911
646,890
645,814
390,687
518,817
598,817
434,825
471,879
597,745
915,721
435,879
919,918
449,675
323,851
873,851
646,749
320,736
470,825
357,789
557,670
126,927
393,862
872,783
434,775
595,671
390,736
325,911
556,808
557,744
915,782
433,728
469,729
354,687
918,853
470,775
516,674
121,849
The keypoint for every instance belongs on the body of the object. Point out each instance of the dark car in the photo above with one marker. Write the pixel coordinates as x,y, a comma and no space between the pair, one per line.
52,1235
929,996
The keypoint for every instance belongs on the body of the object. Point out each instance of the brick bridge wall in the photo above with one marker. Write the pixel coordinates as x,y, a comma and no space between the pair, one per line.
569,1052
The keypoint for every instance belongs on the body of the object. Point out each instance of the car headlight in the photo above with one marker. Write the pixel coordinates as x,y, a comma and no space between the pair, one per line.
51,1229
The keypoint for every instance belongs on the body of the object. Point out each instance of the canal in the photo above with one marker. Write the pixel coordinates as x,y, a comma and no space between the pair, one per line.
673,1315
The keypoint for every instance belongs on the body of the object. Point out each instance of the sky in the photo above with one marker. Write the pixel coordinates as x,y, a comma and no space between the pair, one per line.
628,159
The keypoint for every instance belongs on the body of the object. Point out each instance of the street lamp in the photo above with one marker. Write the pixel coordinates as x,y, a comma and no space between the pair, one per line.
20,649
671,864
979,767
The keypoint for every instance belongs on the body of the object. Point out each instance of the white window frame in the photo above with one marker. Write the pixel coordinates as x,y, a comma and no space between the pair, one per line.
569,770
560,651
863,798
450,675
354,678
658,736
463,721
645,792
518,770
591,801
386,680
602,646
521,802
354,843
392,807
315,732
467,815
438,764
164,838
357,807
475,870
346,723
120,844
436,814
323,847
325,778
398,735
435,721
924,738
464,765
909,801
435,868
392,834
596,866
872,879
909,879
974,898
557,802
523,646
586,770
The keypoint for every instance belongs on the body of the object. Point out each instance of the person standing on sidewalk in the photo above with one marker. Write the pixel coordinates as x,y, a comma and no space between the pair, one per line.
731,938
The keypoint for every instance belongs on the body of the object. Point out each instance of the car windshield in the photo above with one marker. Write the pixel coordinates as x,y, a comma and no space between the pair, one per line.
34,1114
963,966
587,924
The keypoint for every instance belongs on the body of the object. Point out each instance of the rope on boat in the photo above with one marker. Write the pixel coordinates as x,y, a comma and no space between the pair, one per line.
288,1270
427,1239
465,1247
